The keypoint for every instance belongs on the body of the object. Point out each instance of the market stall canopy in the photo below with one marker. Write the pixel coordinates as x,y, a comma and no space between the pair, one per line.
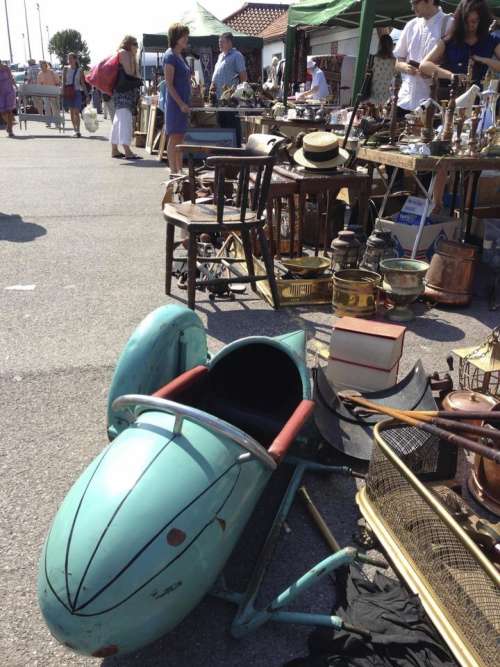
365,14
205,30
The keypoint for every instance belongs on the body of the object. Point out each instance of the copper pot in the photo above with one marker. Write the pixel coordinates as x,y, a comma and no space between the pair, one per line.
451,274
484,479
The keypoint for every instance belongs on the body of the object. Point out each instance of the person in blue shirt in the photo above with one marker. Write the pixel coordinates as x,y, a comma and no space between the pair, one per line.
229,69
469,38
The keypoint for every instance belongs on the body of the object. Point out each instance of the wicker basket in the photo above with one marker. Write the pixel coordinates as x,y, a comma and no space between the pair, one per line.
458,586
299,292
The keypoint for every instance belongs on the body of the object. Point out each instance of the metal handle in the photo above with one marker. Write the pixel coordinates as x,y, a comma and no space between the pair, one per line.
137,404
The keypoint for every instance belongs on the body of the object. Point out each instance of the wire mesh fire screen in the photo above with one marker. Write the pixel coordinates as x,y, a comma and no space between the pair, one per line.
459,587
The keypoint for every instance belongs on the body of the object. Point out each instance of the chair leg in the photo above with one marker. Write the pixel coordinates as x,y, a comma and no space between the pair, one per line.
269,264
247,246
191,277
169,256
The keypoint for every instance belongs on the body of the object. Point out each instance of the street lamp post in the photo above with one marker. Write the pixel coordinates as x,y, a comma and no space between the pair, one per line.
24,44
40,24
48,43
8,32
27,28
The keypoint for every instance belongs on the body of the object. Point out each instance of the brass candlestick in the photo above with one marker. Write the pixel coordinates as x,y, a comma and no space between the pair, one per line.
450,111
427,132
396,85
470,72
473,150
459,125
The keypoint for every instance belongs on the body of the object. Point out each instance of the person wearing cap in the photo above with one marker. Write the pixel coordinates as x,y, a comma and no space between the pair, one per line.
319,89
320,151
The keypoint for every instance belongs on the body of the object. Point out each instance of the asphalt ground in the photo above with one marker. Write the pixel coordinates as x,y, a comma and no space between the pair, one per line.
81,263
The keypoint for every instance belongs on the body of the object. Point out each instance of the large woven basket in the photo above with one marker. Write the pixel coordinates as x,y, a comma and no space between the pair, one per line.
458,586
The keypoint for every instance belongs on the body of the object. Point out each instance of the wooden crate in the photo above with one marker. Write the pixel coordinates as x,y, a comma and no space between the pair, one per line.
299,292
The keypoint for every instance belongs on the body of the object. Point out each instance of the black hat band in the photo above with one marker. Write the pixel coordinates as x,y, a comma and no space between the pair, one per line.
326,156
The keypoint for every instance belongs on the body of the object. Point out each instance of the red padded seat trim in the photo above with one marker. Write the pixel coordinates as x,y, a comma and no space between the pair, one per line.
181,383
283,441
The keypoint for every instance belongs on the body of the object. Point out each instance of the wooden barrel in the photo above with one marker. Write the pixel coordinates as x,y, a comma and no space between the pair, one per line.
355,292
451,274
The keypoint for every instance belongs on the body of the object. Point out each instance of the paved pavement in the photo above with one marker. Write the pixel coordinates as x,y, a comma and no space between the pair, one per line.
81,263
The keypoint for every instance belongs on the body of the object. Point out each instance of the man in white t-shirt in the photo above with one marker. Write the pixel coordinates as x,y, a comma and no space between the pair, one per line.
418,38
319,89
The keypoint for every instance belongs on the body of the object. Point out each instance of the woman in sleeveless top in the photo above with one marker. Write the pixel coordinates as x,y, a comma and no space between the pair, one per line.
468,39
125,103
178,82
383,71
73,91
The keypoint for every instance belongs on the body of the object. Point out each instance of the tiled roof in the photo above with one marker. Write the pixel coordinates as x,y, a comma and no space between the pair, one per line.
275,30
253,17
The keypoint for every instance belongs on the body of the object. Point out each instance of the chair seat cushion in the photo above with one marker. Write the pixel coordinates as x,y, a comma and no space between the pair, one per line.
204,214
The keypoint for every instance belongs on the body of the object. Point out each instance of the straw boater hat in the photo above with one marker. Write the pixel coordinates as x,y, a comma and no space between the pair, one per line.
320,150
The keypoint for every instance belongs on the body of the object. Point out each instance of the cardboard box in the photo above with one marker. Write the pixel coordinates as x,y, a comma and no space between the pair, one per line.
405,235
488,189
367,342
364,355
347,376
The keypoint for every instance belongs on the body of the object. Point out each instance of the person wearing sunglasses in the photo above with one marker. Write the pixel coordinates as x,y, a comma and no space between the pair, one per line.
419,37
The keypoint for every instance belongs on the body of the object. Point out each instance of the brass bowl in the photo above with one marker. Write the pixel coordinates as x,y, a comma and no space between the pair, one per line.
307,265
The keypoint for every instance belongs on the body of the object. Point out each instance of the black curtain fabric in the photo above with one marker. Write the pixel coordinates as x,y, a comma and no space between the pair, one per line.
402,635
299,69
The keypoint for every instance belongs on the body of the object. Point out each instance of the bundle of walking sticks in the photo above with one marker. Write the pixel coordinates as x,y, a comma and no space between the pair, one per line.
447,425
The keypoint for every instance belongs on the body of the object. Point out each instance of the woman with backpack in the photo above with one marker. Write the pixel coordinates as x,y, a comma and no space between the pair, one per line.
73,88
125,99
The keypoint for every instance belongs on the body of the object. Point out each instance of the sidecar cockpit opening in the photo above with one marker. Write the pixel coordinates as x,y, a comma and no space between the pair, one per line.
255,386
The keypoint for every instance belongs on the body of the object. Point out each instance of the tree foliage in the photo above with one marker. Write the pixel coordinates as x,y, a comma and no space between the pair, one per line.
67,41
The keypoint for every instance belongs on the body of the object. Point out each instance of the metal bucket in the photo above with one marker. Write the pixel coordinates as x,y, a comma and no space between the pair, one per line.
451,273
355,292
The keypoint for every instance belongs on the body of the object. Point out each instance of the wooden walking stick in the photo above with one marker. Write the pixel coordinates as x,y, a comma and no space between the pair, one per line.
453,438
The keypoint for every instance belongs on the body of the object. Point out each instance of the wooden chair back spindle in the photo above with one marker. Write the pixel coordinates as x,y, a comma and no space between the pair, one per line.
264,168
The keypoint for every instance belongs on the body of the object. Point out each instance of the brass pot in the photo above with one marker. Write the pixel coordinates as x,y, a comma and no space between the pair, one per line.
355,292
451,273
403,283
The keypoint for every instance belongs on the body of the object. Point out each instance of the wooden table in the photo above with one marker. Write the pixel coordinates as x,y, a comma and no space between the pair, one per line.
329,185
289,128
415,164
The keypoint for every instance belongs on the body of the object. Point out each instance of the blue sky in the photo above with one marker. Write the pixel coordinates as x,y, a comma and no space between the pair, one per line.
102,23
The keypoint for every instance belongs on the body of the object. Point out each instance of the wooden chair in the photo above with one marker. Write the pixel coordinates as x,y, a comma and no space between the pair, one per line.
196,218
258,145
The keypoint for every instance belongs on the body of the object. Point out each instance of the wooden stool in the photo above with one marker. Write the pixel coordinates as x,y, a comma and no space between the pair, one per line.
198,218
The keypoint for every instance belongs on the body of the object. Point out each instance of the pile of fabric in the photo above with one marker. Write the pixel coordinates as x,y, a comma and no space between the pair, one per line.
401,633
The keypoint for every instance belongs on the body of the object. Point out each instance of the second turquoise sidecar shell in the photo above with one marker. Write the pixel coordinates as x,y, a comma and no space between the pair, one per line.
167,342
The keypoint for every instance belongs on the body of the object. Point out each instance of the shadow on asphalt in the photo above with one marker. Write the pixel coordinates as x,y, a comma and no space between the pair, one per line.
22,137
149,164
13,228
